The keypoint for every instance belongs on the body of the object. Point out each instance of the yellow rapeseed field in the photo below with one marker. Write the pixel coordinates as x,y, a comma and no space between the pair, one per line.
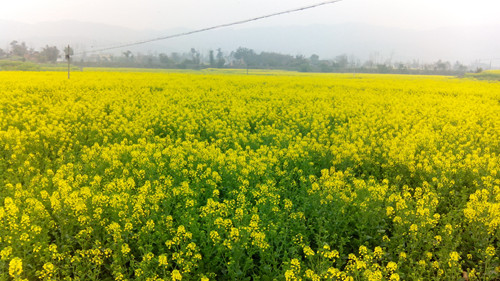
206,176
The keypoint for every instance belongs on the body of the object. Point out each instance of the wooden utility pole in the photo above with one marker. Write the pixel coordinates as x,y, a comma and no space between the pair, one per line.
68,58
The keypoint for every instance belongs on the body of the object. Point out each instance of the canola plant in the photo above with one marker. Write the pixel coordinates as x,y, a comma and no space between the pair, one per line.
183,176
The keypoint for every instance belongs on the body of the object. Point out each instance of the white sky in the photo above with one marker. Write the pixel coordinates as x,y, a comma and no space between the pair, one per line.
164,14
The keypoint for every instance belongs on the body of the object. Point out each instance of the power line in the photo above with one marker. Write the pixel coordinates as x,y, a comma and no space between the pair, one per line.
212,27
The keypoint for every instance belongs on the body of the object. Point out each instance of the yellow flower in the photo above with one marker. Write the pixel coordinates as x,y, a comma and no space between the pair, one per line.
414,228
176,275
428,255
290,275
162,260
374,275
150,225
128,226
139,272
490,251
402,255
453,260
125,249
15,267
235,233
392,266
454,256
378,252
295,264
312,276
448,228
308,251
48,270
390,211
5,253
288,204
438,239
363,250
394,277
214,236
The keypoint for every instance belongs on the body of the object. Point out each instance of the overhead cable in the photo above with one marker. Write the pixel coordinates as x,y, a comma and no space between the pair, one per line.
210,28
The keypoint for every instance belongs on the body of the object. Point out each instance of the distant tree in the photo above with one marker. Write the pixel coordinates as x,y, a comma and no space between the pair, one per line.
442,65
459,67
374,58
211,58
128,54
2,54
353,61
247,55
17,49
415,64
302,64
164,59
325,67
314,59
176,57
383,68
49,54
220,59
275,60
195,56
368,64
342,61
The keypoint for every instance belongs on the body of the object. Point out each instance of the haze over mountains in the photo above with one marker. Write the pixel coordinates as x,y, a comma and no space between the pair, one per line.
363,41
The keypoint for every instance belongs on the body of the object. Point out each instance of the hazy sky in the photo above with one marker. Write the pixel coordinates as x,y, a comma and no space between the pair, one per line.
164,14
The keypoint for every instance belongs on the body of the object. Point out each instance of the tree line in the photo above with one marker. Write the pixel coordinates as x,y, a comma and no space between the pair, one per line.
240,58
20,51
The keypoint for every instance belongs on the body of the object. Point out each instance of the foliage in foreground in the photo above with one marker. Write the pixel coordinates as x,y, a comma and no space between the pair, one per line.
180,176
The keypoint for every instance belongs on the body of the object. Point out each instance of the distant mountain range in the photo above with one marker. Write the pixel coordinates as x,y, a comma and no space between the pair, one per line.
465,44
